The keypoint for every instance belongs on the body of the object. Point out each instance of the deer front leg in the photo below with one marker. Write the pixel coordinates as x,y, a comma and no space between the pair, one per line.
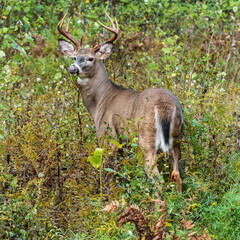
175,176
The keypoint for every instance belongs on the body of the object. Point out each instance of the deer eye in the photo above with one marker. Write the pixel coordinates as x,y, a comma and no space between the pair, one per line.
90,59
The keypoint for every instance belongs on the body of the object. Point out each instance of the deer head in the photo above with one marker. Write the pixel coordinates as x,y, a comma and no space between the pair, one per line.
86,59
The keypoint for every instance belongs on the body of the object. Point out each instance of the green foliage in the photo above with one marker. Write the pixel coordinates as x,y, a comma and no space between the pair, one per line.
48,189
96,157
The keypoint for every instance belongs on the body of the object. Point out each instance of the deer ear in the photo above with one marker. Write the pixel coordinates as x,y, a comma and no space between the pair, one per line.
105,51
67,48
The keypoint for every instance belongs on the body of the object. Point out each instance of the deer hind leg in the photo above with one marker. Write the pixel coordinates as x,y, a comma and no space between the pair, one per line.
151,167
175,176
150,157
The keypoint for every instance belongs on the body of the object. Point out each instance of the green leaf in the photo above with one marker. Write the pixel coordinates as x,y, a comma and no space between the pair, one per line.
8,9
26,20
116,143
14,182
40,175
58,75
166,50
113,171
8,176
17,58
16,46
4,30
96,158
2,54
110,170
153,66
23,232
195,123
166,4
39,8
40,89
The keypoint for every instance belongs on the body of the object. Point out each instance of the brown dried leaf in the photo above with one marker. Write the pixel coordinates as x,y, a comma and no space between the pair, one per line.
204,236
189,224
183,213
160,225
191,233
123,203
112,207
163,207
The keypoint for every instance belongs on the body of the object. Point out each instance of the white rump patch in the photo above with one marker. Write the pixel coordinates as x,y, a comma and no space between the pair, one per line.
159,140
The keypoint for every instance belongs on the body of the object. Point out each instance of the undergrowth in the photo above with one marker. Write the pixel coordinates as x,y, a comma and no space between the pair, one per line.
49,189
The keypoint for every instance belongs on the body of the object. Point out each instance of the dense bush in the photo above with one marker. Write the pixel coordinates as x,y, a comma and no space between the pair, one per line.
48,187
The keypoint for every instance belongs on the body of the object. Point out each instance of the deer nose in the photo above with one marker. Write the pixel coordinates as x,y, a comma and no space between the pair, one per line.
73,69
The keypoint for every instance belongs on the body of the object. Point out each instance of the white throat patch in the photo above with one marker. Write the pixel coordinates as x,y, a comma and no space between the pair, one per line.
82,81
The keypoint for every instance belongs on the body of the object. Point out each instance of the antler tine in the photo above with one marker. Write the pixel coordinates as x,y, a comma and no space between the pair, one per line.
66,34
111,21
81,39
61,23
67,27
97,40
114,29
117,25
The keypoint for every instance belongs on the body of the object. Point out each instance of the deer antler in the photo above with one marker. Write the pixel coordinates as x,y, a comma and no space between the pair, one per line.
66,34
114,29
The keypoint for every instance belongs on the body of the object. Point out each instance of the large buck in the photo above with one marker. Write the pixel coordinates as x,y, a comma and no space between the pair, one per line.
109,104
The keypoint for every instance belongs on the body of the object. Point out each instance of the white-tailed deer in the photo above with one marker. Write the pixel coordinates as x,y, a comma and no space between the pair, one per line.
108,103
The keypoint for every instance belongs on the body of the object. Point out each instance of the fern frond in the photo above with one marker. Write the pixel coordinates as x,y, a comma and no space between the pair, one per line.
193,235
135,215
132,214
112,207
160,226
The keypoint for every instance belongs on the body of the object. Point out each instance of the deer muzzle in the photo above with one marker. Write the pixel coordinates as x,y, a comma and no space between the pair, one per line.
73,69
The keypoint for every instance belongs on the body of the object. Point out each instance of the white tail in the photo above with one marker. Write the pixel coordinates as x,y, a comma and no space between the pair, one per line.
159,109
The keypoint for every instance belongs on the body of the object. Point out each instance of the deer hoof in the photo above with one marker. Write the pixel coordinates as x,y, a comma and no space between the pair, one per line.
175,176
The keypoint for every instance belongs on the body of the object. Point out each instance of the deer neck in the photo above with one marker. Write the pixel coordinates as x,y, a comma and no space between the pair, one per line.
95,90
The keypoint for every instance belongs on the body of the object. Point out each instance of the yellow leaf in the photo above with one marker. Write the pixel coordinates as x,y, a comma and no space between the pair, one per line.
191,207
167,224
116,143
